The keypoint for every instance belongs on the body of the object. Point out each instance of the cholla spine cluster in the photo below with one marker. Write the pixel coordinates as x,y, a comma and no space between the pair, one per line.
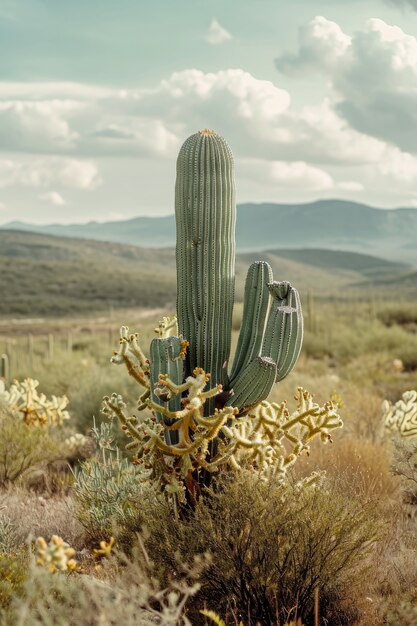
56,555
401,417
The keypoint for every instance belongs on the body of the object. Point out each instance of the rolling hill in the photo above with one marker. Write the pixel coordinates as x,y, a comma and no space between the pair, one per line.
325,224
46,275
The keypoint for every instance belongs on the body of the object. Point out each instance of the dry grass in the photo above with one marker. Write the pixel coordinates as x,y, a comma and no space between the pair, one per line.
36,515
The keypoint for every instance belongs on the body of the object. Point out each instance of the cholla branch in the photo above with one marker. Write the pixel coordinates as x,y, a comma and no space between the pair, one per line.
167,326
131,355
270,439
267,440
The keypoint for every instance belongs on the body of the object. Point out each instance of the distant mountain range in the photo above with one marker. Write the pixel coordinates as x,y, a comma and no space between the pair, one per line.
325,224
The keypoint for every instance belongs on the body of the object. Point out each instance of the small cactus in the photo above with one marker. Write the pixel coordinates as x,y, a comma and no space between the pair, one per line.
33,407
401,417
56,555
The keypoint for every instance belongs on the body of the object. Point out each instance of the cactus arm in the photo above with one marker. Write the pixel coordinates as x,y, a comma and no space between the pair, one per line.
284,329
253,384
165,358
257,300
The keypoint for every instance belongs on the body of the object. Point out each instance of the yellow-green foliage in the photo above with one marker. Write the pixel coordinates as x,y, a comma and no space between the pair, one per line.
405,466
28,430
107,489
25,450
273,545
8,533
13,573
127,593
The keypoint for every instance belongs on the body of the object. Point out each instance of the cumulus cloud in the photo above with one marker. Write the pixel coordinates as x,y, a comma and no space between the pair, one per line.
31,126
350,185
81,119
373,76
308,147
53,197
45,172
322,44
283,174
217,34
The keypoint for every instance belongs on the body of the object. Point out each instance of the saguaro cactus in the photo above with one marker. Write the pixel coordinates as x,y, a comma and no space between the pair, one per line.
272,327
205,217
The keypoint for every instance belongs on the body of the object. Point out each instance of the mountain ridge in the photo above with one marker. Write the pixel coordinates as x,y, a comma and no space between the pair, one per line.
328,224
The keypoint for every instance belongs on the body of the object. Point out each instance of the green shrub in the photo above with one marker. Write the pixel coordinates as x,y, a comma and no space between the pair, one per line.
13,572
8,534
25,450
106,490
272,547
405,466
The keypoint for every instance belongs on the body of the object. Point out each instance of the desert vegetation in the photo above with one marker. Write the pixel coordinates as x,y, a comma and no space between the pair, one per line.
230,499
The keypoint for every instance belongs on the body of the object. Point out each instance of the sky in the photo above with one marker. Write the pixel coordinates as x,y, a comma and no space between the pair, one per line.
317,99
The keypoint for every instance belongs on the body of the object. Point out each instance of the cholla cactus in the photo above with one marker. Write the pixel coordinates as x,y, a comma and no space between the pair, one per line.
56,555
34,408
401,417
267,440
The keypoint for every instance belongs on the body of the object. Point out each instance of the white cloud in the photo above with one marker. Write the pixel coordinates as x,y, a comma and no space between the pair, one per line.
281,174
73,92
53,197
217,34
373,76
322,45
32,126
306,148
45,172
350,185
134,136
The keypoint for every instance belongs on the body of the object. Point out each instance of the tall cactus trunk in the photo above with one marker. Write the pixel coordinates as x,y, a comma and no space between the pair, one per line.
205,217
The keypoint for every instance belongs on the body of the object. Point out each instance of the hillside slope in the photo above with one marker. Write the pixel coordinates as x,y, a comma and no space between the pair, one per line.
45,275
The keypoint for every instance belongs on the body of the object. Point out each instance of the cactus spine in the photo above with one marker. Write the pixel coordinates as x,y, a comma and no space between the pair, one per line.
205,217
